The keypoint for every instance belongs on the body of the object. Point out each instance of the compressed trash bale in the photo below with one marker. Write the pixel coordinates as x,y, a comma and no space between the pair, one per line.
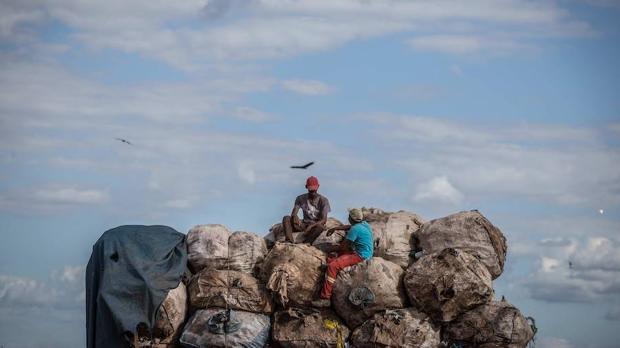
246,251
207,246
497,324
220,328
299,237
170,317
469,231
448,283
366,288
328,243
393,234
308,328
397,328
228,289
293,273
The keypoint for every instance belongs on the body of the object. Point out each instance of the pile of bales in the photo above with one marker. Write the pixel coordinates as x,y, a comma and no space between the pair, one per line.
429,284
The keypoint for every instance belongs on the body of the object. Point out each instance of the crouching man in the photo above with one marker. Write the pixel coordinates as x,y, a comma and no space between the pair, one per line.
356,247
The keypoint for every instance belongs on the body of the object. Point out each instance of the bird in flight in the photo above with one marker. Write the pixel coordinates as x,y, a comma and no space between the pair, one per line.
124,141
305,166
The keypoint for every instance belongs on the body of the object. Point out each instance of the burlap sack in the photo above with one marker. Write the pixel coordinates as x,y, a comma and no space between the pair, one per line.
447,284
397,328
393,234
469,231
293,273
308,328
364,289
246,251
228,289
207,246
299,237
170,317
214,328
328,243
497,324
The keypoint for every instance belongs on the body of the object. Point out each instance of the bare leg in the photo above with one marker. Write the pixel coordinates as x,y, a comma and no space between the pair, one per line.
287,228
313,234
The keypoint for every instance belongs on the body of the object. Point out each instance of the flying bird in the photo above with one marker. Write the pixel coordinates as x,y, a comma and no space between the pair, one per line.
124,141
305,166
601,211
570,264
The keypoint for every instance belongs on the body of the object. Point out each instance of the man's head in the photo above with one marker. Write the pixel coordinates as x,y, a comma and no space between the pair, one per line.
312,184
355,216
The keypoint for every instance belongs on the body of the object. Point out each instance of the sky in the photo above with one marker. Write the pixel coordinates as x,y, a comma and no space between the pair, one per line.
510,107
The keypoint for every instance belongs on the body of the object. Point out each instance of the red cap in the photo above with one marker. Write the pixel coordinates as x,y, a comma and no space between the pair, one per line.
312,183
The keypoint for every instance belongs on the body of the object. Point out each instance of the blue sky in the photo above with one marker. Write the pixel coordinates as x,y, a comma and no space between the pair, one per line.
510,107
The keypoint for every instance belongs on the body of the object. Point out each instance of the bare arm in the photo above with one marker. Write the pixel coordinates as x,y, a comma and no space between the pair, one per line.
295,210
321,222
338,228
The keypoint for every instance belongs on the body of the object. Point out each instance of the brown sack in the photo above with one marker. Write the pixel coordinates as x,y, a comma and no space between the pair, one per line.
219,328
246,252
328,243
469,231
397,328
393,234
293,273
447,284
170,317
366,288
270,238
228,289
308,328
299,237
492,325
207,246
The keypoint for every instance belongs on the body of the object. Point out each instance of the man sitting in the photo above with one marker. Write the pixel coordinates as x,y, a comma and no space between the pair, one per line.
356,247
314,207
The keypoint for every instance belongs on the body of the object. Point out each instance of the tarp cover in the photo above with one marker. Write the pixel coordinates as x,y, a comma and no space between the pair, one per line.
129,274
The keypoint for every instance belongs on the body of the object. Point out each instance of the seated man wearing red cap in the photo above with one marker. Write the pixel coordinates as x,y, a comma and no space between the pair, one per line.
314,208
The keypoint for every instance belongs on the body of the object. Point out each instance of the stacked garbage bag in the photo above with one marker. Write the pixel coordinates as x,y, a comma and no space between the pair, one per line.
429,284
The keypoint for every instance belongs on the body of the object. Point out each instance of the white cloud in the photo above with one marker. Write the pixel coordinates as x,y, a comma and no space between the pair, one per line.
587,271
438,189
70,196
533,161
306,87
465,44
179,203
250,114
65,288
221,31
246,172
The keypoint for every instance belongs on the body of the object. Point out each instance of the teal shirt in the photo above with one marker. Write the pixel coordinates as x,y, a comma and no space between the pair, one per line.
360,236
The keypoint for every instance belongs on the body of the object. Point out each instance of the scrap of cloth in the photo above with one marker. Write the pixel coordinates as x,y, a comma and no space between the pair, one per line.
129,274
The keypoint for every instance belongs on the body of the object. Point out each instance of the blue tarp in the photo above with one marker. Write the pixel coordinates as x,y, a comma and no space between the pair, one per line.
128,276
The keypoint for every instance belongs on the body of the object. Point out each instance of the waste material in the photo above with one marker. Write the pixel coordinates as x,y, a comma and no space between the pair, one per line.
448,283
469,231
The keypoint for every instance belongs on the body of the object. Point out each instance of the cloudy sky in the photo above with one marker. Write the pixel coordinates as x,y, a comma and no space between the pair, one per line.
510,107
